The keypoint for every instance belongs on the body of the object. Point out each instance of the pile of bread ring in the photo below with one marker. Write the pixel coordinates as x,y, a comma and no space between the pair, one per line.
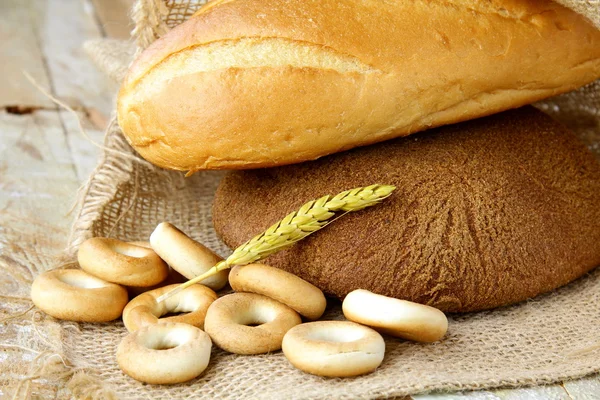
264,314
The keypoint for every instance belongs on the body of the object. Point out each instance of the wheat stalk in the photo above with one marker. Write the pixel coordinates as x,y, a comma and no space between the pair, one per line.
295,226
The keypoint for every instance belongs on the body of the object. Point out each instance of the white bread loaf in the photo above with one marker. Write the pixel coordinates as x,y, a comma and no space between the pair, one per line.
246,84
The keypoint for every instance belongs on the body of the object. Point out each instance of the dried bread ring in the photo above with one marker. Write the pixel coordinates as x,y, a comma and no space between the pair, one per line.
172,276
334,348
121,262
193,300
74,295
186,256
164,353
249,323
296,293
395,317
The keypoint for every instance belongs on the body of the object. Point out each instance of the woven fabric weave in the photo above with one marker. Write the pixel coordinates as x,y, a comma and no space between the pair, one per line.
547,339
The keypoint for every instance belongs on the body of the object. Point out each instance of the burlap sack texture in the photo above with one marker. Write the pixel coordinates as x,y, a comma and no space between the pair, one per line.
547,339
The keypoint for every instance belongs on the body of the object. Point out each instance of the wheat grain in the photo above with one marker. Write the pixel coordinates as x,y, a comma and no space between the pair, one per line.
295,226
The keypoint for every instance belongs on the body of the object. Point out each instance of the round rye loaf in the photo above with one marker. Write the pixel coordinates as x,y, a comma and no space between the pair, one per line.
486,213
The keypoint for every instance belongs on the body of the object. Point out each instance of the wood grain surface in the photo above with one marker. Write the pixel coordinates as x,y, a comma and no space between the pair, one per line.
44,159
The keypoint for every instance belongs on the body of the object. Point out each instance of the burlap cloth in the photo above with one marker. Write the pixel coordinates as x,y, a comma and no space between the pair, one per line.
547,339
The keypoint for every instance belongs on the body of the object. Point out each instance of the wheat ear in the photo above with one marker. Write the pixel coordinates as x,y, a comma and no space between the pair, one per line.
295,226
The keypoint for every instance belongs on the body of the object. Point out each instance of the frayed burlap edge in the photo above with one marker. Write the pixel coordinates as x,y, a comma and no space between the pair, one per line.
49,362
149,17
109,56
115,167
589,8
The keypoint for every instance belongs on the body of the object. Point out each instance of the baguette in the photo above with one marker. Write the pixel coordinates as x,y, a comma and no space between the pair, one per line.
246,84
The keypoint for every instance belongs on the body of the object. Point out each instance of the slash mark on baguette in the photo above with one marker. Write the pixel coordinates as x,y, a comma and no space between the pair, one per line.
525,12
253,52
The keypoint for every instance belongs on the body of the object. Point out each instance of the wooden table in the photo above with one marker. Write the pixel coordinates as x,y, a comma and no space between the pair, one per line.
44,158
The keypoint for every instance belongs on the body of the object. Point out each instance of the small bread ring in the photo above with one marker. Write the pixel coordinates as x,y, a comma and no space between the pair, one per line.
307,299
229,318
74,295
120,262
164,353
193,300
334,348
172,276
395,317
186,256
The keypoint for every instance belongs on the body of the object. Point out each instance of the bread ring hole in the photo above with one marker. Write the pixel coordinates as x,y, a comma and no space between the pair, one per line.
164,338
88,282
256,315
336,335
178,305
169,314
130,250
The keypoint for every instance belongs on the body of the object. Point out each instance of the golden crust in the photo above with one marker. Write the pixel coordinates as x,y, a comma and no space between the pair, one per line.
334,348
229,319
142,354
426,63
301,296
121,262
192,303
401,318
75,295
185,255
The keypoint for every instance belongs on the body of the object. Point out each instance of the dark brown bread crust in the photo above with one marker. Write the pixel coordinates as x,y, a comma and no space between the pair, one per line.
486,213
